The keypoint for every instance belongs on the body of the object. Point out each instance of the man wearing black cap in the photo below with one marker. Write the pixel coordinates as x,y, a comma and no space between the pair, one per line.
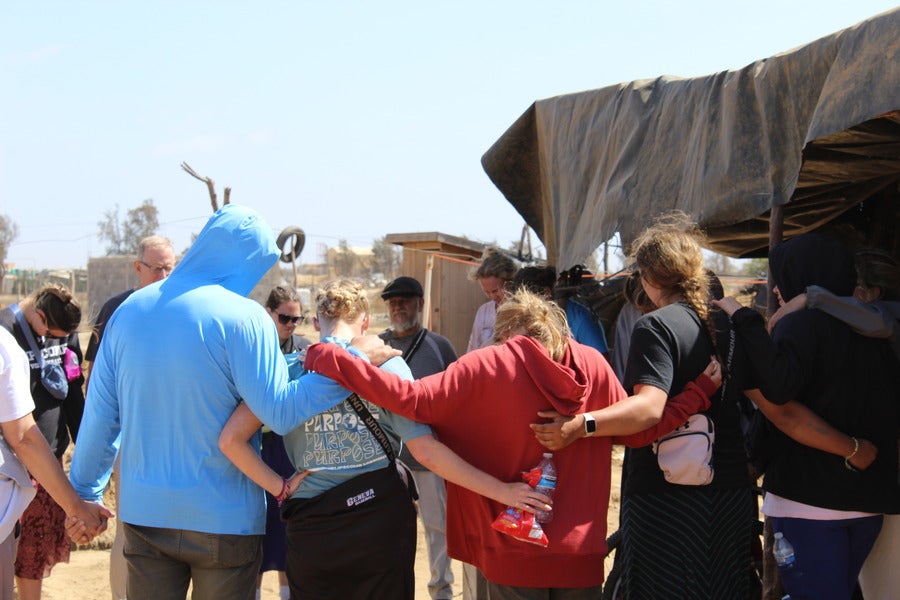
426,353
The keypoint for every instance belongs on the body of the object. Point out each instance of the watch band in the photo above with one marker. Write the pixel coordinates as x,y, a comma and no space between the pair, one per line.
590,425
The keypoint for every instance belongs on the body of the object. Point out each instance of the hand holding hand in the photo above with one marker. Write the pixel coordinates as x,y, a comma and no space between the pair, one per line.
559,432
375,348
88,521
77,531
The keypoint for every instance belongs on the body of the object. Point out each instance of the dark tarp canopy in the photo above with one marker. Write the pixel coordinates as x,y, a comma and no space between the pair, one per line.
816,129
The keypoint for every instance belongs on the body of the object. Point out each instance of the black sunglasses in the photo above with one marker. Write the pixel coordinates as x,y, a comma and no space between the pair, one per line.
285,319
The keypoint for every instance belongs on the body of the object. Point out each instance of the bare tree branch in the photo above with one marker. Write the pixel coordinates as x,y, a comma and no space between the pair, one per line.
227,199
210,185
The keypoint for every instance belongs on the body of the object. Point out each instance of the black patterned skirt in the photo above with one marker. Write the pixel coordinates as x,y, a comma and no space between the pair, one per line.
692,544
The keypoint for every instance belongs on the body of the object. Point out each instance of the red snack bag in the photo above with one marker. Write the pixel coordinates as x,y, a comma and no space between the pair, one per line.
521,525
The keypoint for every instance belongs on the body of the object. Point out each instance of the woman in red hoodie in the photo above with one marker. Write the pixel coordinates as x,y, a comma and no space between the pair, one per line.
481,407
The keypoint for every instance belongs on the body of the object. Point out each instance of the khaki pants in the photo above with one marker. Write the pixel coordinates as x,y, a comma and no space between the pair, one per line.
433,513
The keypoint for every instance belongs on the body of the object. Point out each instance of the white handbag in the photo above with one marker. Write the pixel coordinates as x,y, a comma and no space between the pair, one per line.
685,454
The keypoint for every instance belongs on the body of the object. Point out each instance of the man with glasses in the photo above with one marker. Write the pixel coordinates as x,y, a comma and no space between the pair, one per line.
155,260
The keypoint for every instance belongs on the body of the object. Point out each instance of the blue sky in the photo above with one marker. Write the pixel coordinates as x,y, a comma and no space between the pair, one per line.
349,119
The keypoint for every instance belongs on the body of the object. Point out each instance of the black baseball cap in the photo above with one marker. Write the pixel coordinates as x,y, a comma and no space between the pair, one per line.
402,286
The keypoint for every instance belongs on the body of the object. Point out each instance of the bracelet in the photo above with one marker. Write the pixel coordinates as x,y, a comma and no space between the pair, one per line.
285,492
851,455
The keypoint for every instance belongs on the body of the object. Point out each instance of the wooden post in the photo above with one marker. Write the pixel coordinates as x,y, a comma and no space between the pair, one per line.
776,236
426,307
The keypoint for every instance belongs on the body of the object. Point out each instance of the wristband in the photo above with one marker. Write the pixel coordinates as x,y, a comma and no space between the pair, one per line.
285,492
851,455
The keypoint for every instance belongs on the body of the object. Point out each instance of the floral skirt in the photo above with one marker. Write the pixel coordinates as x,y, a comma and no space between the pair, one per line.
43,541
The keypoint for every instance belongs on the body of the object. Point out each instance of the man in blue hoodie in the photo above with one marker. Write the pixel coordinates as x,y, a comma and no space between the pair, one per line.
178,357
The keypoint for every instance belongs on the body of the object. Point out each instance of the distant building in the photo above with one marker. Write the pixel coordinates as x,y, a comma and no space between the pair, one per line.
349,261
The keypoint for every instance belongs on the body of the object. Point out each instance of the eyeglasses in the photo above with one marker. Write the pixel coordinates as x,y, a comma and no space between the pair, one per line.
159,268
285,319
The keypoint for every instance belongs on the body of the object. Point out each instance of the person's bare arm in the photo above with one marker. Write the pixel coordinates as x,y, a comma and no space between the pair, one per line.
440,459
234,442
805,427
693,398
26,440
636,413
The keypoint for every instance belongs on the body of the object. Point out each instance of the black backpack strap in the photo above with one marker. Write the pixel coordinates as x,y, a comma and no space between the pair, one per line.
26,331
372,425
417,341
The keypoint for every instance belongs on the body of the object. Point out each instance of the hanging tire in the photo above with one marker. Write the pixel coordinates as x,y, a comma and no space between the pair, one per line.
297,240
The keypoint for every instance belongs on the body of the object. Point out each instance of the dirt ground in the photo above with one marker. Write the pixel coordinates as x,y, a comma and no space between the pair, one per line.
86,576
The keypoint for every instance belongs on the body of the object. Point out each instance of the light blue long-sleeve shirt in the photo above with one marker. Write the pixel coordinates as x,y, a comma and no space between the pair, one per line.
176,359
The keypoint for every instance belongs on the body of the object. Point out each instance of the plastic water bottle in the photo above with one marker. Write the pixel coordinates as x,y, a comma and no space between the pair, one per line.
546,486
783,551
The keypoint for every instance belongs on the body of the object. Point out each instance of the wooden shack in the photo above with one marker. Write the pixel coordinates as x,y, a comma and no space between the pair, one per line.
442,264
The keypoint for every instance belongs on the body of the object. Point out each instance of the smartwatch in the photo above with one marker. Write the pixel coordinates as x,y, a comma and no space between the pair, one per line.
590,425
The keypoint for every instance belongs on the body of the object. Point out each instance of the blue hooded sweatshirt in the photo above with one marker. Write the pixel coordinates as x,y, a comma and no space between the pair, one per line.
176,359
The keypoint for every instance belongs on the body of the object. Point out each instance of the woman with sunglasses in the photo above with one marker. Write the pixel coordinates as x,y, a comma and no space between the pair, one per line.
283,305
286,310
52,315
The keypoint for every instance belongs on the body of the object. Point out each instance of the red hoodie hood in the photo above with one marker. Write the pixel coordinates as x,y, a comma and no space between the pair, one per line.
563,384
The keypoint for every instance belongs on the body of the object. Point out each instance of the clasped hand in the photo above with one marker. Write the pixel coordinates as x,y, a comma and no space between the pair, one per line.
88,521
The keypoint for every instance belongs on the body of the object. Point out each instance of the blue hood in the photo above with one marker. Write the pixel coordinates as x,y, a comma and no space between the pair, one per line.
235,249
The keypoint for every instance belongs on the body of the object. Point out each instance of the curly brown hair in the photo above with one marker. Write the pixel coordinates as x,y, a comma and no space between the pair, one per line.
669,256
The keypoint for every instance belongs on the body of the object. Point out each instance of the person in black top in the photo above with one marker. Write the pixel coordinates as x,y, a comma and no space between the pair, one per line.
52,316
827,508
683,541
